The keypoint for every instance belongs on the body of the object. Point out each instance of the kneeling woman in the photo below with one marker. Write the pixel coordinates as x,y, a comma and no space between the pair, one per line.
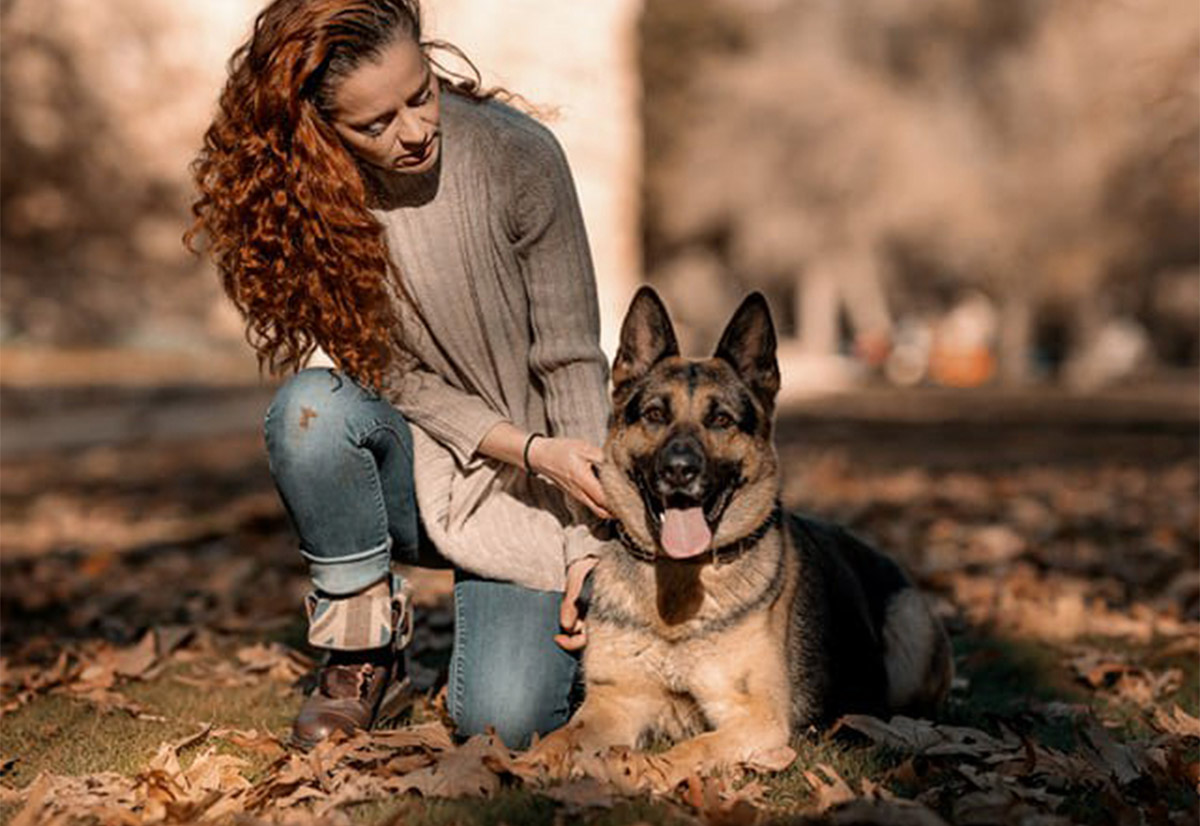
428,237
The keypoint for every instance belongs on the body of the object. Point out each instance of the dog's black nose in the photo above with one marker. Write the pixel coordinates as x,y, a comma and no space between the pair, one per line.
680,462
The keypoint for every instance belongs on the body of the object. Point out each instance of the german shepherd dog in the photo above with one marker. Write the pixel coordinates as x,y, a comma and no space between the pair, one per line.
718,612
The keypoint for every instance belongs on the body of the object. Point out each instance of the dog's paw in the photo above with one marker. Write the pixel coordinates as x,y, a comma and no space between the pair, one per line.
550,756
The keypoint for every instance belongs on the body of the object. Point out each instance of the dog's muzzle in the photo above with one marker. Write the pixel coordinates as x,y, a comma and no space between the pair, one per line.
679,470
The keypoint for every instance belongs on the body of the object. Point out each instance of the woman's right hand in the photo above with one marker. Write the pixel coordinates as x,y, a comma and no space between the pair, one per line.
570,464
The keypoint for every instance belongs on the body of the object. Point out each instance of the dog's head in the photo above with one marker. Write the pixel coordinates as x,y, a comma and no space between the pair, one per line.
691,465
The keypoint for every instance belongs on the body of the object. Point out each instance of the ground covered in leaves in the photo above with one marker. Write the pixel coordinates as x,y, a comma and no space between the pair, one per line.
153,647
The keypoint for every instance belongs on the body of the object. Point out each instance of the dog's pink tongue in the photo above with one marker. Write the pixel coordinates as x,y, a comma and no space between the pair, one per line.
685,532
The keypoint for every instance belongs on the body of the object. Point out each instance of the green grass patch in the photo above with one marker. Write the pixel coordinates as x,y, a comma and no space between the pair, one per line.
63,735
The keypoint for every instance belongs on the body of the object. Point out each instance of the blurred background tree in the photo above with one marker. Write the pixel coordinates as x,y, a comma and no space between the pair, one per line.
102,111
868,163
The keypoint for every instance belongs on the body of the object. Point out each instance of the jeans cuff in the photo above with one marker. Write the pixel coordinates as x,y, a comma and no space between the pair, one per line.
347,575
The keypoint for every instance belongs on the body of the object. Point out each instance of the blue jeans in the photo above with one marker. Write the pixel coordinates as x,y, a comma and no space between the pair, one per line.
342,460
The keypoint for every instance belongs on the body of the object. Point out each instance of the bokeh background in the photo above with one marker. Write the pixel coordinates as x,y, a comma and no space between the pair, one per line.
933,193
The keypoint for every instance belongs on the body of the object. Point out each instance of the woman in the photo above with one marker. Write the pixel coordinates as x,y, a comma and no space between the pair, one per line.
428,238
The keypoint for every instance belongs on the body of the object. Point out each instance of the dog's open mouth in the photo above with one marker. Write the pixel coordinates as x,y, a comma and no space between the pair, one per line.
685,524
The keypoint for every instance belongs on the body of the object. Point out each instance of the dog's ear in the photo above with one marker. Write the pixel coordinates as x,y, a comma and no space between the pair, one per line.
748,344
647,337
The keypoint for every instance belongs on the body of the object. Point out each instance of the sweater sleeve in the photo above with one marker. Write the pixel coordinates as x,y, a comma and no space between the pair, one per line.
560,285
453,417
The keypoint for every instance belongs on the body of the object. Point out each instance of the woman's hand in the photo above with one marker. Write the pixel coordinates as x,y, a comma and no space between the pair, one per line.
570,464
574,631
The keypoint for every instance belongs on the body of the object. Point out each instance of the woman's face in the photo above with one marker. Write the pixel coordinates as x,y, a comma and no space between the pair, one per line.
386,110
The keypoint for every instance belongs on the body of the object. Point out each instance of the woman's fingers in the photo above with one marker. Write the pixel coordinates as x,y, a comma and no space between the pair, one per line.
596,508
594,493
574,636
573,642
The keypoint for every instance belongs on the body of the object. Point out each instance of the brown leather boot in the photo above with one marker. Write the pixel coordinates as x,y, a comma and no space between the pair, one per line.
357,687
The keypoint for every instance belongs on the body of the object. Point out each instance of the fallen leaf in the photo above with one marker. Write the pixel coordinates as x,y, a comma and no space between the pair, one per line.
1123,762
1177,721
461,772
263,743
277,661
828,787
923,737
135,660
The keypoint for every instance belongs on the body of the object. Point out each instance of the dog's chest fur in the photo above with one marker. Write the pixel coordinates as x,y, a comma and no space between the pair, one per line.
686,625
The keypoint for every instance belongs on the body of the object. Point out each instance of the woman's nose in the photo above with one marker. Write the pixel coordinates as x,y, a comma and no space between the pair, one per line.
413,131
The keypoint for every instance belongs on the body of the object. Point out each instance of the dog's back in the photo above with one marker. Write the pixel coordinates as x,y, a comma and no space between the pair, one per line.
861,639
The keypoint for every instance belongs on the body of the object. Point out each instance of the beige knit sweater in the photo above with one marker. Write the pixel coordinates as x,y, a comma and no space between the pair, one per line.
499,307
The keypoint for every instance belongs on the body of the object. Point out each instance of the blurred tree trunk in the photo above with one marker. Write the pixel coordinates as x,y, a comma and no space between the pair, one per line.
1015,342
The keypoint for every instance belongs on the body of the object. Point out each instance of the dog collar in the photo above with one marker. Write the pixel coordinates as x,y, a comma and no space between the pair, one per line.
721,555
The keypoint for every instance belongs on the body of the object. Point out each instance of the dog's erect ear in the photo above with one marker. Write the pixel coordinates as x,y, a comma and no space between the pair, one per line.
647,337
748,344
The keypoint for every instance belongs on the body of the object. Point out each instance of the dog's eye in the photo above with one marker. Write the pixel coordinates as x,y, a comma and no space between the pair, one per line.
720,421
654,415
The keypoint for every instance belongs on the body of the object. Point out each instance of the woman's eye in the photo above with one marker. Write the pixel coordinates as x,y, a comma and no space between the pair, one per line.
655,415
373,130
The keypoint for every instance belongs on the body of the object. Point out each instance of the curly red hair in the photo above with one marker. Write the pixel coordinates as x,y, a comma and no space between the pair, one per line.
282,203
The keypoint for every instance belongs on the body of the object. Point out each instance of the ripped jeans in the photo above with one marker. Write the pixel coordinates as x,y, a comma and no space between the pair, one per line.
342,460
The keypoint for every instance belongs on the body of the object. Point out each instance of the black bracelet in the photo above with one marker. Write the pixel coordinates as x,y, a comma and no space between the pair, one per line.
525,452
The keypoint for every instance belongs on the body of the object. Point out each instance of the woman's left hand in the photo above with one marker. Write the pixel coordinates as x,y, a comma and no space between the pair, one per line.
570,464
574,630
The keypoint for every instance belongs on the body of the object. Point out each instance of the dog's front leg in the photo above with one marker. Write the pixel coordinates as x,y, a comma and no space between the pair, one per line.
610,716
743,738
747,712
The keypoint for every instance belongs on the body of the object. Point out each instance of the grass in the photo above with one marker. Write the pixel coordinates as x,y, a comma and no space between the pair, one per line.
62,735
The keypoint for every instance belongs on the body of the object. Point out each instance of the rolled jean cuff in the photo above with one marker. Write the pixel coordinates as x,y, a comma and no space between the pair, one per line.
349,574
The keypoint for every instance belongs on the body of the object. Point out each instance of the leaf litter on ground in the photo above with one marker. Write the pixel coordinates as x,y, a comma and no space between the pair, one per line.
1095,565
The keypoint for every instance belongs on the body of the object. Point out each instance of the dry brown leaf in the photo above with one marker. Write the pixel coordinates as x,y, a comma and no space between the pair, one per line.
1130,682
628,771
212,772
828,787
263,743
220,674
1124,762
926,738
461,772
275,660
52,796
137,659
432,735
1177,721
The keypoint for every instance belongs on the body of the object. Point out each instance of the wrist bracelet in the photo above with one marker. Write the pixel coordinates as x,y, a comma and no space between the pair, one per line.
525,453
